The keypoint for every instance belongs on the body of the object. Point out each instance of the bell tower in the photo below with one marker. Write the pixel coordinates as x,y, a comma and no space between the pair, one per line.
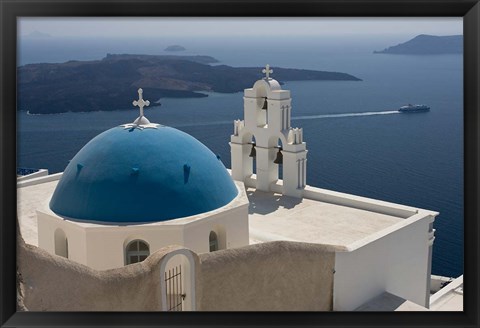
265,140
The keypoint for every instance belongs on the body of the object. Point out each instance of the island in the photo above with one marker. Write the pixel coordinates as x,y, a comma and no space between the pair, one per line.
175,48
427,45
112,82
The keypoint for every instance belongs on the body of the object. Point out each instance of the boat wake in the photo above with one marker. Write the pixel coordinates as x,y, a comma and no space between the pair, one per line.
294,118
310,117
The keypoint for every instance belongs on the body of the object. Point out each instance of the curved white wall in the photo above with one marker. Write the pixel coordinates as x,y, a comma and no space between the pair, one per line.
102,247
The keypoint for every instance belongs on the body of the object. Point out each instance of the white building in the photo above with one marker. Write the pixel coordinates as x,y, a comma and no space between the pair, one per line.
379,246
139,187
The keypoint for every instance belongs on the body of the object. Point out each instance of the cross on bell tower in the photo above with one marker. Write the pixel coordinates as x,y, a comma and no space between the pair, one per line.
267,71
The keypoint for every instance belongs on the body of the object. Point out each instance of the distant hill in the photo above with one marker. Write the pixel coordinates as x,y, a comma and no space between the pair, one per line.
427,45
153,58
175,48
112,83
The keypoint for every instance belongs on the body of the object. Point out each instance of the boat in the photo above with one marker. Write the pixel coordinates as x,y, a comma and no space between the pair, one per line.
413,108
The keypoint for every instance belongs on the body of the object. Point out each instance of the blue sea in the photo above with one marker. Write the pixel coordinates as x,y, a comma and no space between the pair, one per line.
357,141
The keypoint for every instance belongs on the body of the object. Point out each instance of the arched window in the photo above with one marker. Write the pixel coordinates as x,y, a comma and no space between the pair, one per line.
61,243
253,155
213,241
262,112
279,159
136,251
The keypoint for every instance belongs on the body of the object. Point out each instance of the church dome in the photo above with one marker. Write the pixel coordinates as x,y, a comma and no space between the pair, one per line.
136,173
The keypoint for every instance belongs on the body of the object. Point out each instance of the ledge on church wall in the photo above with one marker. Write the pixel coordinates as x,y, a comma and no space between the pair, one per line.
38,179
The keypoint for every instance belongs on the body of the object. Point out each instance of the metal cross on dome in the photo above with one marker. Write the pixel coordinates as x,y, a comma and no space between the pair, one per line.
141,122
267,71
140,102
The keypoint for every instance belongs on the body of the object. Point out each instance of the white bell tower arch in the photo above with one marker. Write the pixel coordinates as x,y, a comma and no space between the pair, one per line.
267,116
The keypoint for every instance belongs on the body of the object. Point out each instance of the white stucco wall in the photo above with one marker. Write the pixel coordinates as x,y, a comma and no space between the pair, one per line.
105,247
395,262
231,228
76,236
38,174
102,247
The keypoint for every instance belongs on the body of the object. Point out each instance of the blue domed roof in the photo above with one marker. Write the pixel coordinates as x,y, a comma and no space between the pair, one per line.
142,175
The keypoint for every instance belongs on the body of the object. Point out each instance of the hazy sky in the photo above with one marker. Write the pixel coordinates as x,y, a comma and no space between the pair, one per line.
128,27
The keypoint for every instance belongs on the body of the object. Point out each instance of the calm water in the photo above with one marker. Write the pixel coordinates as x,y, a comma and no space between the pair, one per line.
415,159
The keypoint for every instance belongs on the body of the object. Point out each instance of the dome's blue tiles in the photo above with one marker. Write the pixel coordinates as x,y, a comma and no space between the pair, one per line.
133,175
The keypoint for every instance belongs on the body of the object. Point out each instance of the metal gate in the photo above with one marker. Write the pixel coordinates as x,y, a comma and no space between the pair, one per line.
174,289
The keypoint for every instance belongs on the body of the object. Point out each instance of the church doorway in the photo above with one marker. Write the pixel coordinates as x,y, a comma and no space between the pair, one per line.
178,281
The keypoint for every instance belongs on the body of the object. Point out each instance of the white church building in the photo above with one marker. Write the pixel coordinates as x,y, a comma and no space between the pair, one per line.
139,187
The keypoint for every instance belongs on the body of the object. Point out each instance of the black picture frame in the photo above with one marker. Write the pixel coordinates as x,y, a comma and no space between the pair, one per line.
10,10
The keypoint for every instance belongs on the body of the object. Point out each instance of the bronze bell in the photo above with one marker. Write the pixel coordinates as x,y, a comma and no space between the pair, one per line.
265,104
279,159
253,152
